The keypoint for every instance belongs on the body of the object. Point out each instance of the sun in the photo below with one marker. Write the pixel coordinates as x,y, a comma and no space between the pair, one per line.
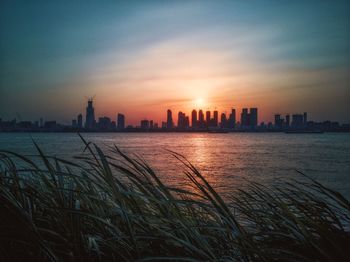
199,102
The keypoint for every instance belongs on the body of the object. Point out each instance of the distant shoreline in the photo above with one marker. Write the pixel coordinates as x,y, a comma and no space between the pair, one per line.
175,131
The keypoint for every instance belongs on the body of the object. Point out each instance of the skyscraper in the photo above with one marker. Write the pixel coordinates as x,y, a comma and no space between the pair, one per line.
181,120
207,118
80,121
216,118
223,121
287,120
297,121
278,121
90,115
120,121
244,117
305,118
187,122
201,119
232,119
169,119
253,117
194,118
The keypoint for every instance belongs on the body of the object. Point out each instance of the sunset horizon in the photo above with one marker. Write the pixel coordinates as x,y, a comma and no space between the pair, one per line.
142,58
174,130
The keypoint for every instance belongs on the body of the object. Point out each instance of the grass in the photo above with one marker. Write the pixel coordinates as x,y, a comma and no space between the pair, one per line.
111,207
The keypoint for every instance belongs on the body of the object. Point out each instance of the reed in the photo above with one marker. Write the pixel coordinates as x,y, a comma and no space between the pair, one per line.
112,207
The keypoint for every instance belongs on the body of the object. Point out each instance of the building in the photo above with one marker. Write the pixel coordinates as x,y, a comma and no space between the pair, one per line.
305,119
50,125
215,121
253,117
278,121
145,124
187,122
223,121
80,121
201,122
169,121
194,119
287,120
207,118
181,120
120,121
90,115
244,117
232,119
104,123
297,121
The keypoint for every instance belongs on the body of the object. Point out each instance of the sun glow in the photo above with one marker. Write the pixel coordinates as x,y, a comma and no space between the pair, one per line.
199,102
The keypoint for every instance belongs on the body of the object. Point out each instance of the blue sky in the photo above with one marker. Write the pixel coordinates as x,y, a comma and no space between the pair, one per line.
141,57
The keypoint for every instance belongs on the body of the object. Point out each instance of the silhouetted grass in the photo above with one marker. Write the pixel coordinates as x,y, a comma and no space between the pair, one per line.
115,208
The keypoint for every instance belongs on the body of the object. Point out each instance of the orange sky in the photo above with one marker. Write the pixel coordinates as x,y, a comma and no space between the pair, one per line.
142,58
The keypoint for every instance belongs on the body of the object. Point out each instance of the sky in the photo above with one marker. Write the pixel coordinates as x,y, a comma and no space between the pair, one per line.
141,58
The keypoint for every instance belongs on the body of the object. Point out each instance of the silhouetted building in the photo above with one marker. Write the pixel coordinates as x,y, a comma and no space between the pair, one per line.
90,115
24,125
297,121
232,119
181,120
169,119
216,118
194,119
207,118
151,124
187,122
223,121
120,121
8,125
80,121
51,125
41,122
144,124
305,119
244,117
278,121
104,123
253,117
287,120
201,121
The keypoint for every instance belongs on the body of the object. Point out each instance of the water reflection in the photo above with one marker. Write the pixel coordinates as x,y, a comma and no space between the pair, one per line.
226,160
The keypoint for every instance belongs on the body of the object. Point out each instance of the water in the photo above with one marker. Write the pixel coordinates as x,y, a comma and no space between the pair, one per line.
226,160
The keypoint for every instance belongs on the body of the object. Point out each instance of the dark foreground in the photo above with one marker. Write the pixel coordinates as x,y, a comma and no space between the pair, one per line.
114,208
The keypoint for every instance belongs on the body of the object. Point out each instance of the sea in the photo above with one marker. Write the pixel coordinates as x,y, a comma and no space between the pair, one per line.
229,161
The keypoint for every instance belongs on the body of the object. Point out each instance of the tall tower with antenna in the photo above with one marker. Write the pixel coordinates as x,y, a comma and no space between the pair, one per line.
90,115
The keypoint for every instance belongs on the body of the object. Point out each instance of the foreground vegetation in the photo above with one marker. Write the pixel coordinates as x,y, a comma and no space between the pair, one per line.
115,208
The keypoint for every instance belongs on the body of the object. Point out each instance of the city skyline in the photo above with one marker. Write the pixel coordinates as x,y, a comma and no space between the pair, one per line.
142,58
207,121
136,121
